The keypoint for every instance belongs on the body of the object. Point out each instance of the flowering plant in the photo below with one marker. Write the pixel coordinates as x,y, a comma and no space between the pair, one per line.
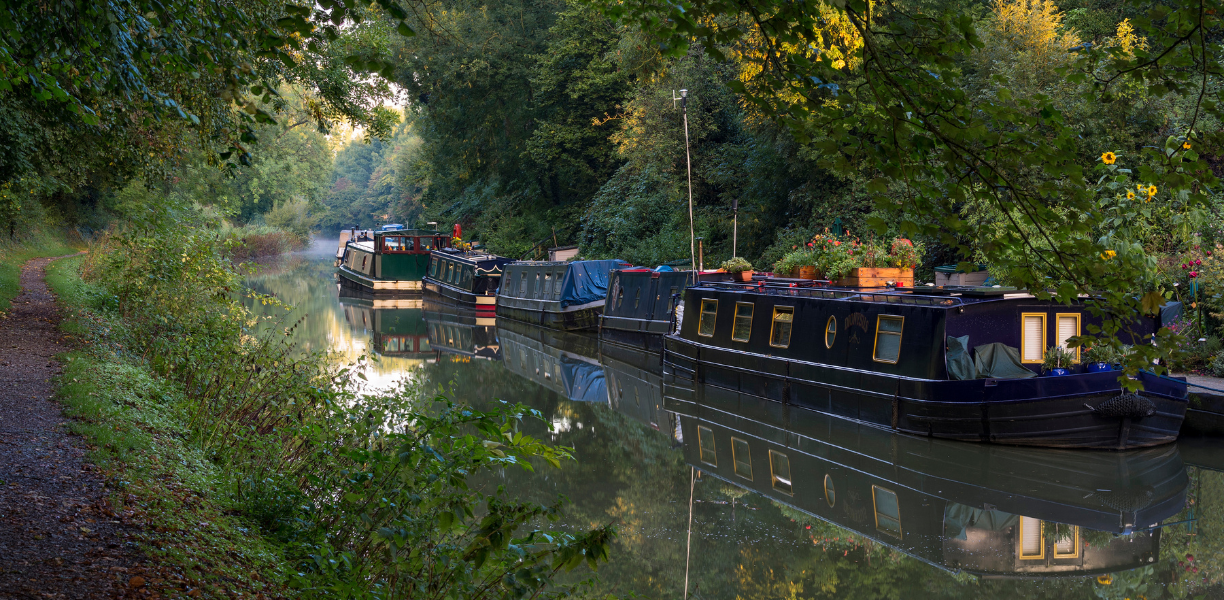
736,264
904,254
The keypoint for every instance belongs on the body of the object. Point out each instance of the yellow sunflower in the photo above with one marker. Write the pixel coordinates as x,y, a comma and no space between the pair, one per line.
1109,158
1151,191
1130,195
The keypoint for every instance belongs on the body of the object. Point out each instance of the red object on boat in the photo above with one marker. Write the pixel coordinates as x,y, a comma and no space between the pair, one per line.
457,232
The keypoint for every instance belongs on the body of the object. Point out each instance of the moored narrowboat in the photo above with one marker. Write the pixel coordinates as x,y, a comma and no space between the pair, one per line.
468,279
641,303
902,361
993,511
391,260
561,295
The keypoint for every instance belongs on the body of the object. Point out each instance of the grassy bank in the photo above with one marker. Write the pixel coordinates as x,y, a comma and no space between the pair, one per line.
135,424
256,469
15,254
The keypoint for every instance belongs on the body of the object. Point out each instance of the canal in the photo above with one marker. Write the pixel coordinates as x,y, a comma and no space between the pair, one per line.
718,495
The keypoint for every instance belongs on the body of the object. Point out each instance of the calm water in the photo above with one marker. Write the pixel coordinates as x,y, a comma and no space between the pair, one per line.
733,497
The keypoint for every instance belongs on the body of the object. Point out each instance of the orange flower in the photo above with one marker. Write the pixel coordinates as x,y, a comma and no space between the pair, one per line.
1186,145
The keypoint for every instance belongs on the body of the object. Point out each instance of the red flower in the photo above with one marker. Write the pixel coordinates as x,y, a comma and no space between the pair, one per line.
1184,267
1198,261
809,244
1193,274
1209,253
837,242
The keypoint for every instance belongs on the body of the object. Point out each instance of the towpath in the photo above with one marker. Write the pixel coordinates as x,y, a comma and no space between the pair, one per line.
58,537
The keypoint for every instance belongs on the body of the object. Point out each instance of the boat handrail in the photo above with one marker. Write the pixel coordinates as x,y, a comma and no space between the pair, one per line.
884,295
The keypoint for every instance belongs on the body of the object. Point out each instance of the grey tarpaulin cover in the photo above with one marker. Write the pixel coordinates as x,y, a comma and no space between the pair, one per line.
586,281
1169,312
960,364
999,361
958,518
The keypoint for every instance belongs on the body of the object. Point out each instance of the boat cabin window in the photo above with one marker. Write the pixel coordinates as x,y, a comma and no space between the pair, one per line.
426,243
467,277
672,303
741,456
396,243
888,338
1031,540
780,331
1068,327
433,268
830,492
741,328
548,284
620,297
709,314
830,331
705,445
535,286
522,288
1033,337
887,510
637,297
560,279
779,472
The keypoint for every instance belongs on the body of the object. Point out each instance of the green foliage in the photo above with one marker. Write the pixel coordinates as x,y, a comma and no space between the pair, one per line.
1057,357
365,494
736,264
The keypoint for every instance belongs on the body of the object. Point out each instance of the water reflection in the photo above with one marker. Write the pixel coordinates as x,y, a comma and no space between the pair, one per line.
785,503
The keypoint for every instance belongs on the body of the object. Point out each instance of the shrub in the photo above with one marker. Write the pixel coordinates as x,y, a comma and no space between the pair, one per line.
736,264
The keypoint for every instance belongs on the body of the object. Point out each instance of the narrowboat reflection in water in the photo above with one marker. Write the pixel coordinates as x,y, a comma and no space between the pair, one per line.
635,384
460,331
396,325
902,361
566,363
988,510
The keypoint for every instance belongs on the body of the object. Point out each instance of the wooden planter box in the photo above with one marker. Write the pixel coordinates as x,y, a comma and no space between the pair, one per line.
878,277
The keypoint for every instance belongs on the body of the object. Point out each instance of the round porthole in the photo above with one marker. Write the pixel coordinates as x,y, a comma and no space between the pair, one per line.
830,493
830,332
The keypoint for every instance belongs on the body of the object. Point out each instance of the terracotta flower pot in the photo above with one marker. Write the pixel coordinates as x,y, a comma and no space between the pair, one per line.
743,276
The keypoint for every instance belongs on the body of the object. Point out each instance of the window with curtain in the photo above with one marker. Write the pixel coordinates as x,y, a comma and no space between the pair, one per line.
1068,327
1032,542
1032,340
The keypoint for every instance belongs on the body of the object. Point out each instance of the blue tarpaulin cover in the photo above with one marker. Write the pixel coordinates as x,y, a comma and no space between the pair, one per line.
586,281
584,382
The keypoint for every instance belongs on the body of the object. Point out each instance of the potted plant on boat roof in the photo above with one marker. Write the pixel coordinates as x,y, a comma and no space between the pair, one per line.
739,268
882,265
800,263
1099,358
1058,361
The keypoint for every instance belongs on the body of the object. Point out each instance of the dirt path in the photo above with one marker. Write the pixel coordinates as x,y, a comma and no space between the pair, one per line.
58,538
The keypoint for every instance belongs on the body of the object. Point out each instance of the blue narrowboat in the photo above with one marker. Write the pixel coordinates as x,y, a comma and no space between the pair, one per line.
960,365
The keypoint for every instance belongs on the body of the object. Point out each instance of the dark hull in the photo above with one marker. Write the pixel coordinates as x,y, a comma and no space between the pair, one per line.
1205,415
647,340
1054,412
584,319
463,298
359,281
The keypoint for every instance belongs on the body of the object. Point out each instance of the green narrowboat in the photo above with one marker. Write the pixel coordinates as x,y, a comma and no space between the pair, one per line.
386,261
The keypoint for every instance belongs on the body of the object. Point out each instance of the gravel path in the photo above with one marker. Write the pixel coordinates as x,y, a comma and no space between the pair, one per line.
58,536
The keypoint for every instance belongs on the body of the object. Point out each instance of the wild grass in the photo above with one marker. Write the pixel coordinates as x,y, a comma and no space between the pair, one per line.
206,416
14,254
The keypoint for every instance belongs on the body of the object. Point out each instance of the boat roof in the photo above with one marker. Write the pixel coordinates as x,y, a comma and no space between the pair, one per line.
937,296
472,257
410,232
